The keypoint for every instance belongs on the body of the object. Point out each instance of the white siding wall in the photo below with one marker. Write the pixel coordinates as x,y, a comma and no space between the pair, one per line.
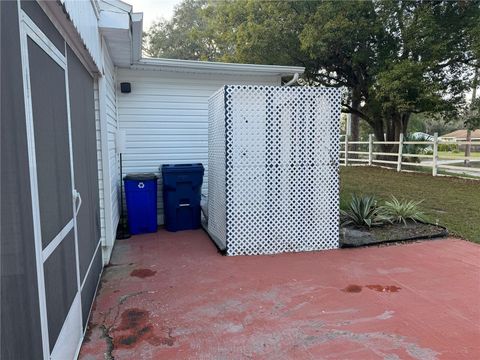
166,118
106,116
112,125
99,162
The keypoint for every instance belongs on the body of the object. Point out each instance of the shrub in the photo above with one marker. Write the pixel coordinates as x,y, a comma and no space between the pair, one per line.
416,148
399,211
363,211
448,147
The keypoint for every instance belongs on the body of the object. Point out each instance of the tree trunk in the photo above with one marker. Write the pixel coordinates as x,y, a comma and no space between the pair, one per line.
405,120
401,125
468,148
397,124
355,122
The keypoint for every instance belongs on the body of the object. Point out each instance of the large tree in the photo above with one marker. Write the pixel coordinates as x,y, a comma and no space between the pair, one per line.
397,58
186,36
394,58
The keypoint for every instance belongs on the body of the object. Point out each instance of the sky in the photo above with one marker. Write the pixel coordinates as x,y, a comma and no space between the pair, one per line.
153,9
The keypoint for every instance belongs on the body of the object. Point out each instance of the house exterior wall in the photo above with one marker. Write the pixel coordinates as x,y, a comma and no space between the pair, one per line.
98,135
106,124
112,126
165,118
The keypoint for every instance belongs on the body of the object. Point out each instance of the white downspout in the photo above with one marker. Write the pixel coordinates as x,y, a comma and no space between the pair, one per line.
293,81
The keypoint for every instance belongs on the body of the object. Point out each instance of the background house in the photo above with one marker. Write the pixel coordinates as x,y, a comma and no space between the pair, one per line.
461,135
62,62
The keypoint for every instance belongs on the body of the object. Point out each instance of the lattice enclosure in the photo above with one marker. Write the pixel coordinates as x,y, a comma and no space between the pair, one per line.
273,179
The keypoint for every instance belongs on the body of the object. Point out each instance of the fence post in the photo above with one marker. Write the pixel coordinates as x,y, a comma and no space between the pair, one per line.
370,149
435,155
400,153
346,150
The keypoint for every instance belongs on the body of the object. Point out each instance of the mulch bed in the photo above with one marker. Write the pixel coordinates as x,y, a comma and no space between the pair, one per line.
362,236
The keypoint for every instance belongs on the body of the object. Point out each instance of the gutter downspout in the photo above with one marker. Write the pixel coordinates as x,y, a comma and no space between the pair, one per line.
293,81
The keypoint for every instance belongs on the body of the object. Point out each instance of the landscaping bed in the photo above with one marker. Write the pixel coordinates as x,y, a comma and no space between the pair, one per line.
452,202
354,236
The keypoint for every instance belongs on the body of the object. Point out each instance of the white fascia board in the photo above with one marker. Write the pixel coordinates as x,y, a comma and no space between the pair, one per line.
215,67
115,4
138,16
137,32
115,28
111,20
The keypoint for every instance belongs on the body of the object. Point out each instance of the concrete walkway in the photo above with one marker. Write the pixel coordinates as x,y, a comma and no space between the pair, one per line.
172,296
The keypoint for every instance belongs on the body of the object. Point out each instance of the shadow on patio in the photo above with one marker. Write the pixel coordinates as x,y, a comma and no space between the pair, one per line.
173,296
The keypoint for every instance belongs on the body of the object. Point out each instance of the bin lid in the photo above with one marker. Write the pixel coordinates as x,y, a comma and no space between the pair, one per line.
140,176
172,168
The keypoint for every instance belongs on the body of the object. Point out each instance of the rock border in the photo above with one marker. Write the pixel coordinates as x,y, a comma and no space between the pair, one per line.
441,234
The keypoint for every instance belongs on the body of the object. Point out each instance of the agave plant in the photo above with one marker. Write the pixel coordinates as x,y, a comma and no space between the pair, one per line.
402,210
363,211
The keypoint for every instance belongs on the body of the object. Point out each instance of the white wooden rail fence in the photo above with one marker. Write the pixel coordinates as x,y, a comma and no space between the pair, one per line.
399,157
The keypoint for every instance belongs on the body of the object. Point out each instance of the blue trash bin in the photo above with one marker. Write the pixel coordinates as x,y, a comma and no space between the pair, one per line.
182,186
141,197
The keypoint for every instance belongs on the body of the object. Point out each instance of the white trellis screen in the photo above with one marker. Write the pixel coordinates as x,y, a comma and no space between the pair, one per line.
273,178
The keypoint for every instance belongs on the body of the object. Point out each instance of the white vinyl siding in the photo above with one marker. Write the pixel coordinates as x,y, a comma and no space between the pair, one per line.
112,126
166,118
108,174
99,163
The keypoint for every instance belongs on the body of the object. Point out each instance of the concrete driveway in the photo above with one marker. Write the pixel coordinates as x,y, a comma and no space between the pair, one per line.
473,172
173,296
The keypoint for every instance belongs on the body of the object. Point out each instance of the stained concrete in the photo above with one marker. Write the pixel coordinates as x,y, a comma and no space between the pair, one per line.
173,296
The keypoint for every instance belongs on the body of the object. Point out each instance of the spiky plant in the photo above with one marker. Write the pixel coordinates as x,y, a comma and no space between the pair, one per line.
399,211
417,148
363,211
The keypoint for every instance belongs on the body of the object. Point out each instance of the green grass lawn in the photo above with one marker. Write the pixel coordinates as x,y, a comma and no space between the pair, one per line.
454,202
461,155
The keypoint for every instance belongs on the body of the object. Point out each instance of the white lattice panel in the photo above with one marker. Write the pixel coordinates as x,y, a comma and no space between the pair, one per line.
216,165
273,168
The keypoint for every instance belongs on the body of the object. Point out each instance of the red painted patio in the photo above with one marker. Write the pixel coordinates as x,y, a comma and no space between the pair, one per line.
173,296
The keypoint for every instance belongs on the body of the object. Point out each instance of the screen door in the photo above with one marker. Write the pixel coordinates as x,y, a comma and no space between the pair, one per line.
54,198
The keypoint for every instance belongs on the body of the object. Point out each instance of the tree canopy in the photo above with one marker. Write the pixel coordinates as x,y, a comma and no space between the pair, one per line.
394,58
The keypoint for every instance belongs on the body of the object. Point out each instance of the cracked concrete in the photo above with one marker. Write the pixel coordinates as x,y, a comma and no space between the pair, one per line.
172,296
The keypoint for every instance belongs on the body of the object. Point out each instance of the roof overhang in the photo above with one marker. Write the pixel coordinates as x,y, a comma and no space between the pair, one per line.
207,67
122,31
59,15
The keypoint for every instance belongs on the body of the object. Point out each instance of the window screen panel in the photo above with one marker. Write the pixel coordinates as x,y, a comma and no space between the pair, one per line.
60,285
49,106
82,117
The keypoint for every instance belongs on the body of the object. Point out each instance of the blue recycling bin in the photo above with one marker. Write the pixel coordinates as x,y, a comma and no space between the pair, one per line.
141,197
182,186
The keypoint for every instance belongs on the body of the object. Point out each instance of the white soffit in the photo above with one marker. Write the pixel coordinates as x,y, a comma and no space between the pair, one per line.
122,31
137,31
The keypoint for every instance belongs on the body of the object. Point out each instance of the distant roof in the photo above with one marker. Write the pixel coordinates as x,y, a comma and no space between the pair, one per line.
462,134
